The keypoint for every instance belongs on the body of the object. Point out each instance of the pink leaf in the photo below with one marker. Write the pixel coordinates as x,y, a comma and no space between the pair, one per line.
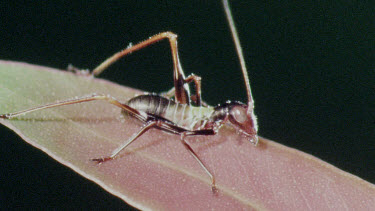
156,171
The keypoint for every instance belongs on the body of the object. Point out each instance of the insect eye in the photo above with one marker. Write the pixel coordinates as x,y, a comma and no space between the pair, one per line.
239,114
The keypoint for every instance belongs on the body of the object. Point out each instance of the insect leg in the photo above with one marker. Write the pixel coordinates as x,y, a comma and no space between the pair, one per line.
92,97
182,92
168,94
125,144
197,97
183,132
188,147
197,81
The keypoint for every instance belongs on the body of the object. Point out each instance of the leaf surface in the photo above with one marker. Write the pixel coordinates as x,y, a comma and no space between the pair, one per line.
156,171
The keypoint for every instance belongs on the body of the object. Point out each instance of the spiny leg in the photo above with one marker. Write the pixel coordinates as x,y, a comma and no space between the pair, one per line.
182,91
92,97
144,129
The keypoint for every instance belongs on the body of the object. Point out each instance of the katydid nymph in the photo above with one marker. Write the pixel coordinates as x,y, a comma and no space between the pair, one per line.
176,111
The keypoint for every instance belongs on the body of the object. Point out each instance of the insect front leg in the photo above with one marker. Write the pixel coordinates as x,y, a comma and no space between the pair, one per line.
184,133
188,147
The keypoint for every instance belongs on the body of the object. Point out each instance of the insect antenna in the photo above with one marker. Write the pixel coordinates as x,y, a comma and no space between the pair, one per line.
250,102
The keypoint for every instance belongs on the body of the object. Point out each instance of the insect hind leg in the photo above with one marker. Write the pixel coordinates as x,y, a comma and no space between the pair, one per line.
182,92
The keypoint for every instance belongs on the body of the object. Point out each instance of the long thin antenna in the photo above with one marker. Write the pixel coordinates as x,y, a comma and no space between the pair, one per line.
237,43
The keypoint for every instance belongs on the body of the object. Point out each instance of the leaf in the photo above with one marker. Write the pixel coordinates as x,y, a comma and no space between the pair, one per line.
156,172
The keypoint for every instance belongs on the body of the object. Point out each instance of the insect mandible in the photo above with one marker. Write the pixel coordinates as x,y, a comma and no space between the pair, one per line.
184,115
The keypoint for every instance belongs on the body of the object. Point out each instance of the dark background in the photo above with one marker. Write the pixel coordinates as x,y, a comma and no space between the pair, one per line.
311,69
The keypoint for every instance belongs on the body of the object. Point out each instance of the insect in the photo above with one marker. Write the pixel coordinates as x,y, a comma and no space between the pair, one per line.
175,111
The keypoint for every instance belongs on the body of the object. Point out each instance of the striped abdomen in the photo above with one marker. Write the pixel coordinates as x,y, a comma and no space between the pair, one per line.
183,115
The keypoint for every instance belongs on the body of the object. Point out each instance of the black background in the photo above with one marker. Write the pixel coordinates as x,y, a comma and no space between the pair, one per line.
311,67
